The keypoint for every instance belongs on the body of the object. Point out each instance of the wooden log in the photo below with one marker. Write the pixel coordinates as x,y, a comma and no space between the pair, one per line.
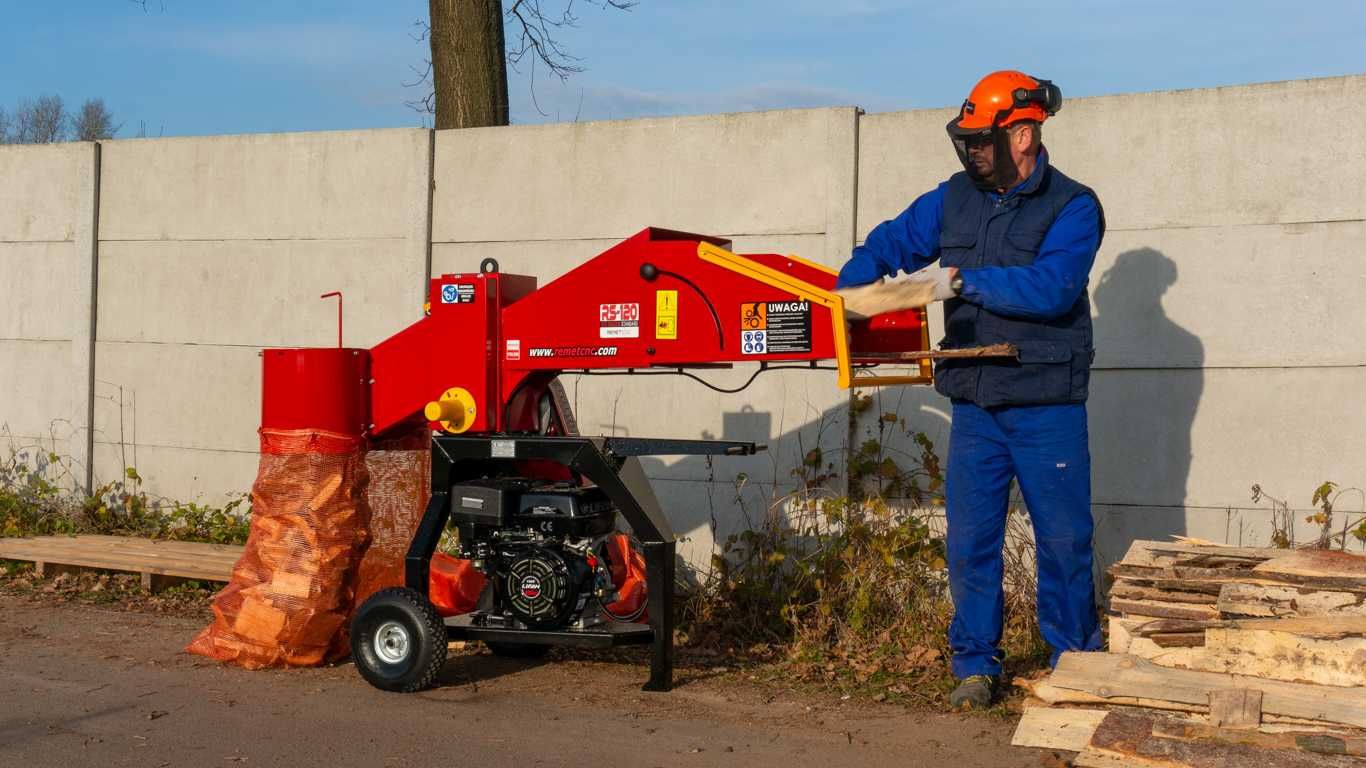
1181,657
1120,634
1178,639
1164,610
1143,626
1261,601
1326,627
1132,737
1235,708
1130,591
1323,651
1094,758
1206,575
1111,676
1048,728
1258,554
1151,553
1311,564
1277,655
1174,585
1319,742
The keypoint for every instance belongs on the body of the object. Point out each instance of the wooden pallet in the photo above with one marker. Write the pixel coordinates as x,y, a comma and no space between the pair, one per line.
160,563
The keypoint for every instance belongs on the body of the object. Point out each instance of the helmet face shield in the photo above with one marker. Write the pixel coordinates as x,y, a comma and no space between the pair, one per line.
985,154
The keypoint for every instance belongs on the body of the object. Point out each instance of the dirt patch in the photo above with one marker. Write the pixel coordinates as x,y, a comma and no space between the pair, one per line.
108,684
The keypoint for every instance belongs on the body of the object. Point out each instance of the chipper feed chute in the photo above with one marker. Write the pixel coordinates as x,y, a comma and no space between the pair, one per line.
535,504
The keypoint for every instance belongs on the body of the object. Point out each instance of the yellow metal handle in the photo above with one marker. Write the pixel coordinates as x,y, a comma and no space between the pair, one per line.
455,410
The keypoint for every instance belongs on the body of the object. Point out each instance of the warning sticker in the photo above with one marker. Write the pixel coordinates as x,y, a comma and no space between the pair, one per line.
457,293
666,314
618,321
514,349
775,327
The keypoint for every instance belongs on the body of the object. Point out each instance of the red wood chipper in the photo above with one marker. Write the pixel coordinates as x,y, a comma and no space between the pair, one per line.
531,499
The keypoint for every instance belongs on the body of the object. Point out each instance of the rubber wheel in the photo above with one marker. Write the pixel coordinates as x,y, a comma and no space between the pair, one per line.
398,641
518,650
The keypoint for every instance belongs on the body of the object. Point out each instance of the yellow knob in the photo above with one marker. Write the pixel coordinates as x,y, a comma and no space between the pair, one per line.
455,410
443,411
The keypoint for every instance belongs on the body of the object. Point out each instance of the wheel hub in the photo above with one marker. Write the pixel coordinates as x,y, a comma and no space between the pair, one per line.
391,642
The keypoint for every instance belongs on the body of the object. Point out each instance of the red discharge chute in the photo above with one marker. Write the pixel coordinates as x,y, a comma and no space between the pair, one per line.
628,576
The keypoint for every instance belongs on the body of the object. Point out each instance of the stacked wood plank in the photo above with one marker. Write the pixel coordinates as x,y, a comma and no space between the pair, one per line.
1218,656
160,563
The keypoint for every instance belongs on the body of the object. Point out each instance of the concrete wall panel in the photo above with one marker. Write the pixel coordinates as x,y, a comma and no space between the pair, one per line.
1230,296
40,195
257,292
762,173
46,257
37,395
346,185
1247,154
1202,438
41,293
180,474
200,396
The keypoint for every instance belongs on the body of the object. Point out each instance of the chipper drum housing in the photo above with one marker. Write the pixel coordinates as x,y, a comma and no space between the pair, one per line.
532,500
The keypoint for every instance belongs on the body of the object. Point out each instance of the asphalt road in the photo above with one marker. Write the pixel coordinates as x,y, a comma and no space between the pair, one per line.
82,685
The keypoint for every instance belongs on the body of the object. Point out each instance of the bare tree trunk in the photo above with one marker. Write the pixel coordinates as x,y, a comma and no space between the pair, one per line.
469,63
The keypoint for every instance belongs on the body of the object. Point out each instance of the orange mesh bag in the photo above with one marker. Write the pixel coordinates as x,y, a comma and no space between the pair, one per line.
292,590
397,495
400,486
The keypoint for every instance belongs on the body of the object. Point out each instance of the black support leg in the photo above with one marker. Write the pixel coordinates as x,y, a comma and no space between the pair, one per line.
659,568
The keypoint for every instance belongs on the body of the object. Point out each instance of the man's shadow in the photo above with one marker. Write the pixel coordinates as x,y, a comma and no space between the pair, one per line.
1145,390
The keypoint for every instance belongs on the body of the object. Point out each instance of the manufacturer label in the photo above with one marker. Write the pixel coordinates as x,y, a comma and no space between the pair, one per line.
618,321
666,314
775,327
503,449
513,350
531,587
457,293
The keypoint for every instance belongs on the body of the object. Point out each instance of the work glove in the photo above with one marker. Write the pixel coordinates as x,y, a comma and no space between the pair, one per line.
941,278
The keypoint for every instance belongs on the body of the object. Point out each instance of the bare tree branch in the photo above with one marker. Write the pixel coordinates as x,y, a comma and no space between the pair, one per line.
536,29
42,121
427,104
94,122
4,126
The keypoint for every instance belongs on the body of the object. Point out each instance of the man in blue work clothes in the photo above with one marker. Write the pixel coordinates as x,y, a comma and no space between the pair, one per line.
1015,240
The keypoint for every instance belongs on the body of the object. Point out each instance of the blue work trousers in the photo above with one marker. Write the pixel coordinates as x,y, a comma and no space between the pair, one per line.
1046,448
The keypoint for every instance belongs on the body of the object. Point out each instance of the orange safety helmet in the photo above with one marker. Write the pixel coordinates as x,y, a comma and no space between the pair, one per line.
999,100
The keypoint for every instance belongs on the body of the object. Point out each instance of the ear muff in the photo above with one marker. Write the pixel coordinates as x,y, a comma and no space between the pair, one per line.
1047,95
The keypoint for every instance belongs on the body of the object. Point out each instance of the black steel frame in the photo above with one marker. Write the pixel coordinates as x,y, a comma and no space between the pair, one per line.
602,460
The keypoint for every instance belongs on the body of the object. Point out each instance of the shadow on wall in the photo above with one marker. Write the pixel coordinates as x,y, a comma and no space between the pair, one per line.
708,498
1141,412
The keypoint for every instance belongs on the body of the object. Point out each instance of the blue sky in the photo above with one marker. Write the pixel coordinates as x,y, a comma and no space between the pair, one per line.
200,67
